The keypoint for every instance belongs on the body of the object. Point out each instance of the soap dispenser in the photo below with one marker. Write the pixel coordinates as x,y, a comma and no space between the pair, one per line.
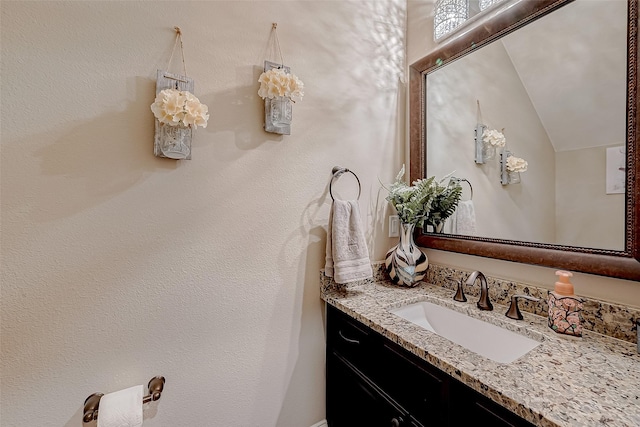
565,309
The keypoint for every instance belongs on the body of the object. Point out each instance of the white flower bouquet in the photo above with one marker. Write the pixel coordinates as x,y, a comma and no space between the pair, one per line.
180,108
493,137
516,164
277,82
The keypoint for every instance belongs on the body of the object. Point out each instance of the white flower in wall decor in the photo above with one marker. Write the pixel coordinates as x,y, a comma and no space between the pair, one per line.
174,107
493,137
516,164
276,82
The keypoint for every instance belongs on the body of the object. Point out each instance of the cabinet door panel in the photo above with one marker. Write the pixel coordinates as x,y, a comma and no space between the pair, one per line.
421,389
353,400
469,406
485,414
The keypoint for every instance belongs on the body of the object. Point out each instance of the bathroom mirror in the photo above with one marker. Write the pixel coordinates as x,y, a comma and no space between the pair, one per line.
489,76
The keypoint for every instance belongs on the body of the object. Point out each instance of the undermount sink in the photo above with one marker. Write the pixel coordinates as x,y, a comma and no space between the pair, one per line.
483,338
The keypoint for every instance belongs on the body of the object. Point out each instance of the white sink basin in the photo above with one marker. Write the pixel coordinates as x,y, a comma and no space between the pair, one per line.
485,339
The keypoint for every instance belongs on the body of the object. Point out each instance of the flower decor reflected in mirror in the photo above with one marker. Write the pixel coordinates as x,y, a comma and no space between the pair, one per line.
511,166
492,139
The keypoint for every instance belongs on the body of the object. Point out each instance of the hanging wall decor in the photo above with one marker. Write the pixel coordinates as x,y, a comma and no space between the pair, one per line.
486,140
279,89
510,168
177,111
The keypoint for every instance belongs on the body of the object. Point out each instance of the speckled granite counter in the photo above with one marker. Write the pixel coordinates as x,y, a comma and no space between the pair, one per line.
588,381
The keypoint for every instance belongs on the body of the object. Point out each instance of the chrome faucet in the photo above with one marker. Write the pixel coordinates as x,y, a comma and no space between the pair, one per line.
483,302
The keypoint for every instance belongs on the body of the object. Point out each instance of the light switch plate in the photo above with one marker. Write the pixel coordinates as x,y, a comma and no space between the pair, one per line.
394,226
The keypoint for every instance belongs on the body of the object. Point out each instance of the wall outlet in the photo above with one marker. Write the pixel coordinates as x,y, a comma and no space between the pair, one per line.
394,226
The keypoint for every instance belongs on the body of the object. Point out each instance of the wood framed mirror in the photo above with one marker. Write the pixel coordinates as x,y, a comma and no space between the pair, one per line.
622,262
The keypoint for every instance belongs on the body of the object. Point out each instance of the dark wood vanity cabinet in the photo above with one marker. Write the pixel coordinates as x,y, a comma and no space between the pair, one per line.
373,382
472,408
357,401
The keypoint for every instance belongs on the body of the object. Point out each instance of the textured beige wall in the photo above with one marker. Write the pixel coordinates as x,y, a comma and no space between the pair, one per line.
586,215
420,43
118,266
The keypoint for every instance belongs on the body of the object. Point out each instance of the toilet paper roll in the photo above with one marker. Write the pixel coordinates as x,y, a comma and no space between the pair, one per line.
121,408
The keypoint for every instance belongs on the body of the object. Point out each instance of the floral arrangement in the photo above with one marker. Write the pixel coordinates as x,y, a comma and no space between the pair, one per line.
516,164
426,201
277,82
493,137
174,107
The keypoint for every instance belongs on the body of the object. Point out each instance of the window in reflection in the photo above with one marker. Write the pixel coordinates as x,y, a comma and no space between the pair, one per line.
487,3
449,15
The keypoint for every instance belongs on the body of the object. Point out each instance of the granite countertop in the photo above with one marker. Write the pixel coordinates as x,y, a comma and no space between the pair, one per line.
565,381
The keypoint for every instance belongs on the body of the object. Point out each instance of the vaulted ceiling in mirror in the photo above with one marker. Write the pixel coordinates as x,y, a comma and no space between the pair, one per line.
576,56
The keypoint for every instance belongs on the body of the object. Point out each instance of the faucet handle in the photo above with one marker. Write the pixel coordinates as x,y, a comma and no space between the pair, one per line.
514,310
460,292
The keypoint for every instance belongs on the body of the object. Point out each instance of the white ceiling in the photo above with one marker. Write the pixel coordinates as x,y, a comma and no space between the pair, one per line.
572,64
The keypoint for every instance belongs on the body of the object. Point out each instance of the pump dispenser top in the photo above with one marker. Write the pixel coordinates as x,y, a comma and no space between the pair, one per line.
563,286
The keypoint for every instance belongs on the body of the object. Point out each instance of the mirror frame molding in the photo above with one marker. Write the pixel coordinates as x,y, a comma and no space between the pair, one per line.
623,264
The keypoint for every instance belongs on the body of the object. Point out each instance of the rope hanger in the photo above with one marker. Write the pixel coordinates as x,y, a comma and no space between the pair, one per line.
178,38
274,31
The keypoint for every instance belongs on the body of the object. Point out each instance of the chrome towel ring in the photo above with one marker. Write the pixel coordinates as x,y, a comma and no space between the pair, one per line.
453,178
337,171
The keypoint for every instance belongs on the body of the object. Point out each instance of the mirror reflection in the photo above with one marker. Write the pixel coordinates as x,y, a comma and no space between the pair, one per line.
556,90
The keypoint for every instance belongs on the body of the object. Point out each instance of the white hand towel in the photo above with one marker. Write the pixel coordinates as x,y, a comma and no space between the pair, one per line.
347,256
451,224
466,218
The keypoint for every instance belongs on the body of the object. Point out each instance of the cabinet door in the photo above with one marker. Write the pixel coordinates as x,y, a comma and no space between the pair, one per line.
420,388
353,400
471,408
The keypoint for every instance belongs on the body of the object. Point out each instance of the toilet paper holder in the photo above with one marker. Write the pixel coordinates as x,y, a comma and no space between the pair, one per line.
91,403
